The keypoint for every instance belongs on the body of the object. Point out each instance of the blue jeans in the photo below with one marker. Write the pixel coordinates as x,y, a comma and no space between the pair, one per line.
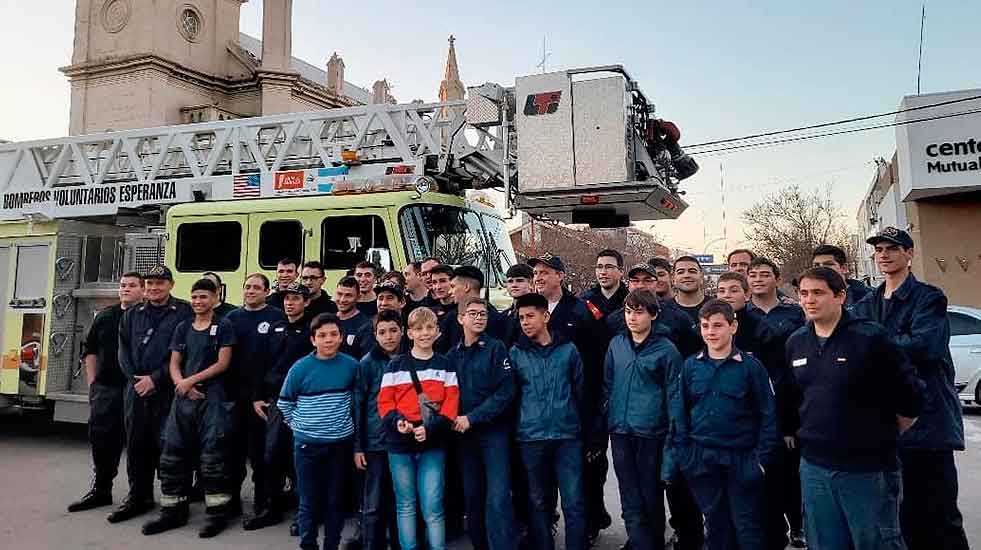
560,460
857,510
419,474
485,458
728,487
320,471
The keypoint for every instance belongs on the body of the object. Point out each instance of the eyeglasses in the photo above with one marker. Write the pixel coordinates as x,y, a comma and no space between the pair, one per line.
606,267
477,314
311,277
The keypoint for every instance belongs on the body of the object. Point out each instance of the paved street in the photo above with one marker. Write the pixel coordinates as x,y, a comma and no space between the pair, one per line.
45,466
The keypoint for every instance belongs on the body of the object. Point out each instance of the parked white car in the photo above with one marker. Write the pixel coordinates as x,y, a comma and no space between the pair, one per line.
965,349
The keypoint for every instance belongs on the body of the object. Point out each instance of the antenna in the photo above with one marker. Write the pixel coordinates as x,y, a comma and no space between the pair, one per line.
545,55
919,61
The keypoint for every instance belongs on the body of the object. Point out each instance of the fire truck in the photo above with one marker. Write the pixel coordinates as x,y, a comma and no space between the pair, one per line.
388,183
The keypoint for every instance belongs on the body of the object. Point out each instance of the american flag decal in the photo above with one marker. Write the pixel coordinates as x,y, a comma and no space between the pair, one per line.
246,186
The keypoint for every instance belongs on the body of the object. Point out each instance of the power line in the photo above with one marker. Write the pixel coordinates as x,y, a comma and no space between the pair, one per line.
775,142
834,123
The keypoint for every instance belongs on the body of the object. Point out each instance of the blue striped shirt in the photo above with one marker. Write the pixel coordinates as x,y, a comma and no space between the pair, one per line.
317,400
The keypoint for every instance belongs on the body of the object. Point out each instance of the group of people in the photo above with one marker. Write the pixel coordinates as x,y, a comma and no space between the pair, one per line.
826,420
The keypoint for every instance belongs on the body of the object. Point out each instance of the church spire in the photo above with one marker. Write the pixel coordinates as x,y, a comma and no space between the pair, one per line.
451,87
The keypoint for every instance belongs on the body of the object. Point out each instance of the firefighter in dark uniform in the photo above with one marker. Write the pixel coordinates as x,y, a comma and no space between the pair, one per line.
144,357
289,341
106,382
200,425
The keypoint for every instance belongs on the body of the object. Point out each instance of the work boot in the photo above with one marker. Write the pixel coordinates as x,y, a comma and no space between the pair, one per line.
234,507
93,499
215,523
130,508
171,517
263,518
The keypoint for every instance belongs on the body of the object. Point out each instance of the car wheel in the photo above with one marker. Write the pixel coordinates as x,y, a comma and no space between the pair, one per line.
977,394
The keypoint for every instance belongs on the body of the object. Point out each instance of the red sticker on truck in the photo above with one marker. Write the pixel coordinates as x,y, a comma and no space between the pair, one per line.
289,180
544,103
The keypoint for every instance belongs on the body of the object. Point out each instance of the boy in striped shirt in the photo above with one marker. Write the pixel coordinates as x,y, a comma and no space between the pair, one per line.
317,404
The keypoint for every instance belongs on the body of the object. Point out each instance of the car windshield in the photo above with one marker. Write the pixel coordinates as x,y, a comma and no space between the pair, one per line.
457,236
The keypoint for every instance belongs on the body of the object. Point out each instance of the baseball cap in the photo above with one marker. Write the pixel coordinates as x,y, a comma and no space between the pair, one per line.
296,287
519,271
391,287
893,235
645,267
554,262
160,272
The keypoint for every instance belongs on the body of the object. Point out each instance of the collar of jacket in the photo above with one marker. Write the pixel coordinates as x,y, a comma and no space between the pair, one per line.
527,343
171,304
376,352
734,355
847,318
902,293
648,342
480,343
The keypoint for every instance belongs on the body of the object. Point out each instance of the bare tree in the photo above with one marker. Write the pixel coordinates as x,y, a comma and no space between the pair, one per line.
787,225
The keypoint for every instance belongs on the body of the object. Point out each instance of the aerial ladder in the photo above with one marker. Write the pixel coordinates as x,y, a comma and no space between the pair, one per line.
576,146
579,146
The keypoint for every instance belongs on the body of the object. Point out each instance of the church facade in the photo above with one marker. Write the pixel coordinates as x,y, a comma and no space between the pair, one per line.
140,64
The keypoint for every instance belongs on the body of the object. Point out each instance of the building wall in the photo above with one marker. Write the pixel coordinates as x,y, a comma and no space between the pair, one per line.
947,231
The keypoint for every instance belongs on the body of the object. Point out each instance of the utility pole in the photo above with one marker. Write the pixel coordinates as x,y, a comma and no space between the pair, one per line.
722,190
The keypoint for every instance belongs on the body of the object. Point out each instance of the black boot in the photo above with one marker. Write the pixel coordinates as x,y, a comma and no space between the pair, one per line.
130,508
234,508
97,496
263,518
216,521
171,517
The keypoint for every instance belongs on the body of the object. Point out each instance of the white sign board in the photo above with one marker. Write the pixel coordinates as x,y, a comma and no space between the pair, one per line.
938,144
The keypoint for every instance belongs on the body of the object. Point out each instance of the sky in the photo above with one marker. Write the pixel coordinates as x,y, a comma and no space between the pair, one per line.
717,69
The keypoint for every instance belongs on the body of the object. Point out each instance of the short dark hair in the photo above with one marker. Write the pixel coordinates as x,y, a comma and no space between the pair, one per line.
691,259
761,260
430,259
643,298
397,275
260,276
325,319
831,250
471,301
733,276
715,306
416,266
204,284
610,253
442,269
349,282
532,299
212,274
752,255
366,265
662,263
833,279
288,261
520,271
134,275
388,316
314,264
470,273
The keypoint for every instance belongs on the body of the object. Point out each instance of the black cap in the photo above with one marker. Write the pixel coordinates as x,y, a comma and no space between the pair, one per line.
645,267
391,287
554,262
470,272
160,272
296,287
893,235
522,271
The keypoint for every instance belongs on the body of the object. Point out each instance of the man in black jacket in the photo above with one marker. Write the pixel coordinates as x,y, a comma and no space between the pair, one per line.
857,393
828,255
289,341
107,434
607,295
915,317
144,357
